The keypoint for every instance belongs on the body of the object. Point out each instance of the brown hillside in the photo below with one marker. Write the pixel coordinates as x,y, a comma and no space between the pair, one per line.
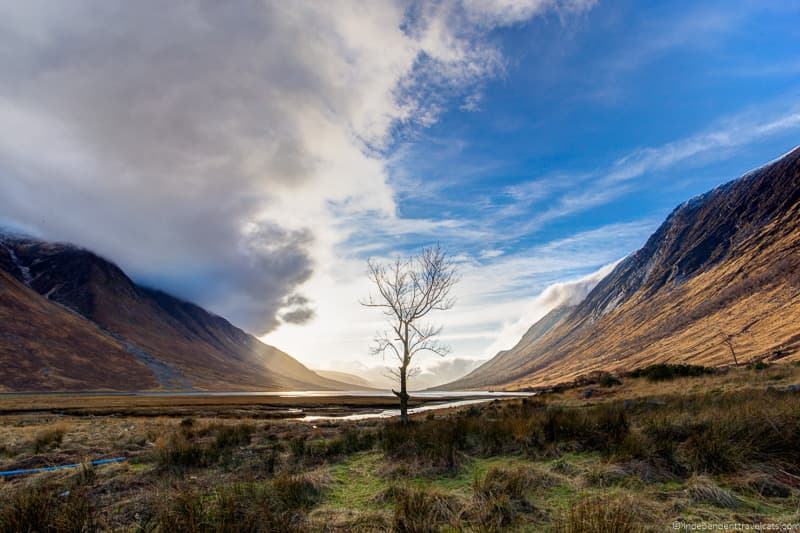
46,347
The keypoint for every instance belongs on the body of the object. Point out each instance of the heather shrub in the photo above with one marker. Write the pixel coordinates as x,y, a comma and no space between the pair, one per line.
664,371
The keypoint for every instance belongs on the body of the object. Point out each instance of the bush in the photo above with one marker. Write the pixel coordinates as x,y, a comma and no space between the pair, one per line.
419,510
601,428
608,380
299,491
500,496
230,436
710,452
179,450
297,448
176,452
348,442
279,505
433,442
512,483
49,438
494,513
665,372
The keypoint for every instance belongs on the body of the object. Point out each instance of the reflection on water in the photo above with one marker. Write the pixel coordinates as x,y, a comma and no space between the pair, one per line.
388,413
328,399
432,395
428,395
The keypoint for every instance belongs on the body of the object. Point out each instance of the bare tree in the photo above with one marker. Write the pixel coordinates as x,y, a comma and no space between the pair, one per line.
408,290
727,339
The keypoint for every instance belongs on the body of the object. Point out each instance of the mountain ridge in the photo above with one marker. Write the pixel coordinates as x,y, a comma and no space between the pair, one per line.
179,343
717,266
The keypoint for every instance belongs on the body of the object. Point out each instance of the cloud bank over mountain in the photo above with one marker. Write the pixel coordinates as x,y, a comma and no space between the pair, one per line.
219,150
431,373
567,293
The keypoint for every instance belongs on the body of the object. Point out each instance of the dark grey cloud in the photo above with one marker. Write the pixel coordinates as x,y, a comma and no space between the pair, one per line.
296,299
297,309
298,316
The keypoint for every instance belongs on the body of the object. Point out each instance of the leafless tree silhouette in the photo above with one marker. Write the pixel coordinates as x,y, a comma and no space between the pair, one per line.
727,339
408,290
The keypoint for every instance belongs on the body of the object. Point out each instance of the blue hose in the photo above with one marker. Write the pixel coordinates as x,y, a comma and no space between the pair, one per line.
96,462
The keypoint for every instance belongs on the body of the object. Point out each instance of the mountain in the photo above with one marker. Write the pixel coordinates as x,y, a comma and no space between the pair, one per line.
72,320
345,377
722,270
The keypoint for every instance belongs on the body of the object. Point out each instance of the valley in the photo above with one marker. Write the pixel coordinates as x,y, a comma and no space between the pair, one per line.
399,266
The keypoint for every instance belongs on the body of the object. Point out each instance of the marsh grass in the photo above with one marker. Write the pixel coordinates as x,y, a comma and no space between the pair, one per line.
703,490
48,438
41,508
501,495
422,510
281,504
601,515
714,445
186,448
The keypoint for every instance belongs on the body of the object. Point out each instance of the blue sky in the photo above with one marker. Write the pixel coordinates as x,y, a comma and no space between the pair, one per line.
670,98
580,94
251,156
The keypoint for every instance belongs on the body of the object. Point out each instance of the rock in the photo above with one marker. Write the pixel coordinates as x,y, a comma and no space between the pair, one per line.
588,393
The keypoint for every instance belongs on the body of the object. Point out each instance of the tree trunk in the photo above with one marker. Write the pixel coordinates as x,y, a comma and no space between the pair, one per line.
403,378
729,344
403,395
733,354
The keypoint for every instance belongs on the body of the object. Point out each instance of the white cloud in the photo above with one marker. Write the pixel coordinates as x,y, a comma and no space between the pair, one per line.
490,254
566,293
620,178
432,374
492,295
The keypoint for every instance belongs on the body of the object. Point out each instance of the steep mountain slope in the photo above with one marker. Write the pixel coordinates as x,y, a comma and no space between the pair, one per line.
179,344
508,362
46,347
725,264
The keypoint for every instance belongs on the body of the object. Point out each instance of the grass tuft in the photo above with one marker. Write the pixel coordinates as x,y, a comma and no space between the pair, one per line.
703,490
41,508
48,438
601,515
422,510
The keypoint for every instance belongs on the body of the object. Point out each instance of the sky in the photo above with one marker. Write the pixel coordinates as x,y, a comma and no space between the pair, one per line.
250,156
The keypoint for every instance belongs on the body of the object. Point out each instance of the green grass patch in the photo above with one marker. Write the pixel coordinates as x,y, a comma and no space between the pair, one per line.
356,482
